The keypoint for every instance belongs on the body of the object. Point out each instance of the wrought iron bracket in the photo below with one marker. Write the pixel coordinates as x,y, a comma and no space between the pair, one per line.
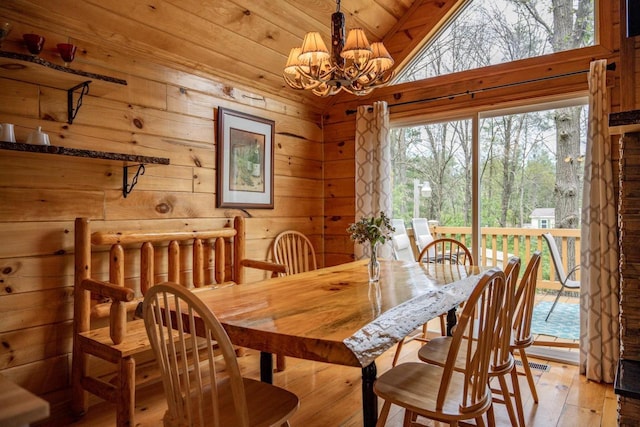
71,110
126,187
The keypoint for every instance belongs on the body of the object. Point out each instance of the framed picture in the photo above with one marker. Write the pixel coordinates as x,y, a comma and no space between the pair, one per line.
245,160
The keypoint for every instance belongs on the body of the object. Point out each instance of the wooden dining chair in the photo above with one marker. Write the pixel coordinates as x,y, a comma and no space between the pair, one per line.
203,387
502,364
295,251
522,338
444,393
440,251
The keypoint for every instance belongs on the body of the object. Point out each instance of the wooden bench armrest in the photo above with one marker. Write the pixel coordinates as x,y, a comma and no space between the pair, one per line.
264,265
108,290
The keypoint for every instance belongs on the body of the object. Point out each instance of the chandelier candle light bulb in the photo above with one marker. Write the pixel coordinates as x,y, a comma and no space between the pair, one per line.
354,66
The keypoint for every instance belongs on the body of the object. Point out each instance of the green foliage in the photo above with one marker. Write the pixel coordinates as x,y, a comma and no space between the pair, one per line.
371,229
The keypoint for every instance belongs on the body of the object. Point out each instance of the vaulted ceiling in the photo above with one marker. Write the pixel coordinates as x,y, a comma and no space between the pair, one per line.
240,42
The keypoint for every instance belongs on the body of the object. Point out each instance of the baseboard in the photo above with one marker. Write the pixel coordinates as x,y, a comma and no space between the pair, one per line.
555,354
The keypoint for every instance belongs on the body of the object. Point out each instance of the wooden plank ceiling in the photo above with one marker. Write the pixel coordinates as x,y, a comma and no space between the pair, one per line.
241,42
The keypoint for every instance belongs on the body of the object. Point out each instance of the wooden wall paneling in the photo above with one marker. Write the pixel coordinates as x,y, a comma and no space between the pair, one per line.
121,116
298,167
18,98
47,171
340,169
338,150
31,274
294,187
340,187
204,180
370,11
34,344
158,43
187,34
160,204
96,56
157,204
180,152
339,243
25,310
43,376
268,228
232,19
19,204
29,239
290,145
51,172
339,207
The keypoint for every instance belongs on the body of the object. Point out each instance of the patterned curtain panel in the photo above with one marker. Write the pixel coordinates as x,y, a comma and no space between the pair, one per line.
373,167
599,311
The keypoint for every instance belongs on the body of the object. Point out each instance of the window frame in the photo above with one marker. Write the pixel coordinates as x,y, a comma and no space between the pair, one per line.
475,117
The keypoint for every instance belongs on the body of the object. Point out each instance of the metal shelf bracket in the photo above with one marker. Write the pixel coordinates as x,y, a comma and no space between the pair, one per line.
71,111
126,187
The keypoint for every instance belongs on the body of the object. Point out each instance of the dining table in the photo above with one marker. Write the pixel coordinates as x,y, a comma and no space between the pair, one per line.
335,315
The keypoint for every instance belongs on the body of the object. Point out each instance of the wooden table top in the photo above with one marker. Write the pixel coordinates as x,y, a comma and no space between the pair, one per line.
333,314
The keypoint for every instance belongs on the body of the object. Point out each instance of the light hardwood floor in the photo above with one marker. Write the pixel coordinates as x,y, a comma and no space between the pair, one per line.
330,396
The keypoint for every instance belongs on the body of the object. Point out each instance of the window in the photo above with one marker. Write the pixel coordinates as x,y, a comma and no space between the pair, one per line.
489,32
526,159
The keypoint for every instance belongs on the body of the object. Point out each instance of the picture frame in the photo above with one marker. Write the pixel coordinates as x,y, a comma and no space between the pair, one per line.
244,160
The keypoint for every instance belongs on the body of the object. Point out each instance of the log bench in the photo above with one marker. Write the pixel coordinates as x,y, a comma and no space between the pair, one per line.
105,327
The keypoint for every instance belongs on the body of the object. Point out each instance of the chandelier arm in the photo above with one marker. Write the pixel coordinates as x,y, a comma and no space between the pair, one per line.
319,77
302,82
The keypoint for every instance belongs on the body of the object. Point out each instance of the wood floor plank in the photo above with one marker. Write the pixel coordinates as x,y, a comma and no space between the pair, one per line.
331,396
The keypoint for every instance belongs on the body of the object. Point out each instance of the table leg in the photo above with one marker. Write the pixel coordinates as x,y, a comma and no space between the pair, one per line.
266,367
452,320
369,399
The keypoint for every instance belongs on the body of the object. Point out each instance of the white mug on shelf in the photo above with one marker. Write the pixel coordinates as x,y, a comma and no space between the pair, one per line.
37,137
6,133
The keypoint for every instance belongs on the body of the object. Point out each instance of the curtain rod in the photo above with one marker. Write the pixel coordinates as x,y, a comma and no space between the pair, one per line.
610,67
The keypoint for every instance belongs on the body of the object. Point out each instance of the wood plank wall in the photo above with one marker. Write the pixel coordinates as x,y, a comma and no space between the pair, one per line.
339,120
162,112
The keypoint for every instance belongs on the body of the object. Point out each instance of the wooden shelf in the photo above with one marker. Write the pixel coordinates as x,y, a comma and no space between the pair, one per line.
63,151
33,69
130,160
9,67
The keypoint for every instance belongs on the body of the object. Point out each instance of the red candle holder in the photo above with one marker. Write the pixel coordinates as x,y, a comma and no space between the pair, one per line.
34,42
67,52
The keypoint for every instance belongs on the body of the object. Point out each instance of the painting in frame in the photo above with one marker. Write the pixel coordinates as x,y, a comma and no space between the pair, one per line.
245,160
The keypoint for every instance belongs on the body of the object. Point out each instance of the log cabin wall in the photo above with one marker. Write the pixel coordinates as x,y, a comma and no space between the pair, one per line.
162,111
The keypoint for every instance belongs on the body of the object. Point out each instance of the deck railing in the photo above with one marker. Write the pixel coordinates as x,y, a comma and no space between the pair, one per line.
505,242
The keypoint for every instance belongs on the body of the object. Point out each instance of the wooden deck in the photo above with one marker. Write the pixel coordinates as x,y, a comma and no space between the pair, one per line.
330,396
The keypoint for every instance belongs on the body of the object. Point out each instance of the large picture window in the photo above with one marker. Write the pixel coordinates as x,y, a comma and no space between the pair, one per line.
490,32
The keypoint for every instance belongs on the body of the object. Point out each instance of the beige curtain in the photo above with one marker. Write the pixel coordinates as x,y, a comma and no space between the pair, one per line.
373,167
599,324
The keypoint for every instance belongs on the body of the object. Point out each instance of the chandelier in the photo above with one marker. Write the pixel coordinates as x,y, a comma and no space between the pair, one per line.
354,66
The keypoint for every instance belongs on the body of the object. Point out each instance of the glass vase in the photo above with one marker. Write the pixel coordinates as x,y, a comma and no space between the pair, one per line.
374,265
